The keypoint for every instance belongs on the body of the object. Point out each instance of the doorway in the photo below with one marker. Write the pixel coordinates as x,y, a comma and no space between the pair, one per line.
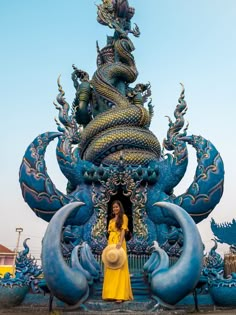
127,204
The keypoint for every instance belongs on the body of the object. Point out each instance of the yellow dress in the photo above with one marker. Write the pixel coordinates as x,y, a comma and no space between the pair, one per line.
116,283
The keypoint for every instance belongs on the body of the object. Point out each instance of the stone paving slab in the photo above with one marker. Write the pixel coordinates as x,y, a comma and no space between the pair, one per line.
32,310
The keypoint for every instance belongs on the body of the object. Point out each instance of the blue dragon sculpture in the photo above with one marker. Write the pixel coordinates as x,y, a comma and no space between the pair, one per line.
225,232
221,277
106,150
13,289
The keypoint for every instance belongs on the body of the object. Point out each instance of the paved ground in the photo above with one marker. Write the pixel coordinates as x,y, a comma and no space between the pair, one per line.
203,311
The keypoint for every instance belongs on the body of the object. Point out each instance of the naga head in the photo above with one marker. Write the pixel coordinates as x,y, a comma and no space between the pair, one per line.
117,15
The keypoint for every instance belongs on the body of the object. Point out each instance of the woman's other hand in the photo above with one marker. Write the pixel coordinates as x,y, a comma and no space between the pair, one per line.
118,245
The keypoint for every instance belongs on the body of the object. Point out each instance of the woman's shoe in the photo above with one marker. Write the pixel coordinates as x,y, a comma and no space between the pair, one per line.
119,301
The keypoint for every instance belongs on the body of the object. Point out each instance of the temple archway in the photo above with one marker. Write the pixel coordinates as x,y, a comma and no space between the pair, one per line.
127,204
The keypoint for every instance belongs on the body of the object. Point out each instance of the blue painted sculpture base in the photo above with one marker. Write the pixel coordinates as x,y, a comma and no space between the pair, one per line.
40,301
143,301
12,296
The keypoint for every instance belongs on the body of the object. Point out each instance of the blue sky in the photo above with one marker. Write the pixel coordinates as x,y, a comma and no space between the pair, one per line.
188,41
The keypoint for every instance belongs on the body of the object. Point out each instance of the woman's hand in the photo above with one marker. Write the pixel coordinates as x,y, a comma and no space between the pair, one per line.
118,245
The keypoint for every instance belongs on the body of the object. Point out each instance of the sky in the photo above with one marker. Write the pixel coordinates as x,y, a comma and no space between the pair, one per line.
188,41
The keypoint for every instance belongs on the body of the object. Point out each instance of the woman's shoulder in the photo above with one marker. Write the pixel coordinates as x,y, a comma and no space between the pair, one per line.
125,216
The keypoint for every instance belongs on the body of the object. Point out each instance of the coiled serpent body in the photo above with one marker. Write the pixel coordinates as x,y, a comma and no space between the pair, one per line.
124,126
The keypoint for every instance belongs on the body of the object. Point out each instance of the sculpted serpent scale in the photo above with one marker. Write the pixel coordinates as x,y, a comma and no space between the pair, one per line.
123,127
106,150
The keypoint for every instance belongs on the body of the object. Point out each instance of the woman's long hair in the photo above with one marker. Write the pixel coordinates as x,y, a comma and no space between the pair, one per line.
119,220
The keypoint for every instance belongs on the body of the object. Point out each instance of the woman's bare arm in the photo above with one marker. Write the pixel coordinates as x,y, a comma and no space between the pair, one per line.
122,236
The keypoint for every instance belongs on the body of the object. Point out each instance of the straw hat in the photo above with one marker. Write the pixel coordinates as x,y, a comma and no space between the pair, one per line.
112,257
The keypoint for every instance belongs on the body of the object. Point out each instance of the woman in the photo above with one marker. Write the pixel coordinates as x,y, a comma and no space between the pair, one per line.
116,285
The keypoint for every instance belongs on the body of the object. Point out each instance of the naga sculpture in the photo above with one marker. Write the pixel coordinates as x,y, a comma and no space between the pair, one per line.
221,276
13,289
106,150
225,233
